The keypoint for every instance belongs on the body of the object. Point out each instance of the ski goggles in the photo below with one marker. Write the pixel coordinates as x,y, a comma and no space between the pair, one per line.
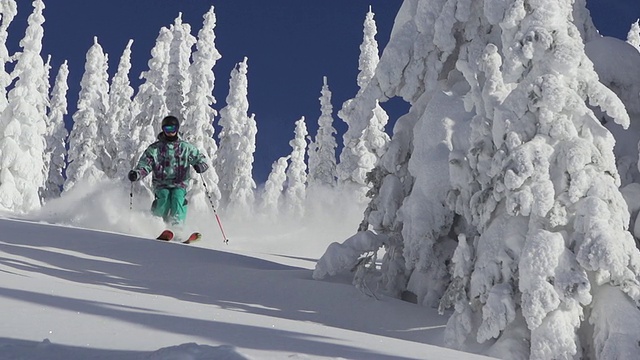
170,129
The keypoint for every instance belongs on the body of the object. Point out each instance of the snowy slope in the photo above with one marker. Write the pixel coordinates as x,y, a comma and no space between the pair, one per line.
71,293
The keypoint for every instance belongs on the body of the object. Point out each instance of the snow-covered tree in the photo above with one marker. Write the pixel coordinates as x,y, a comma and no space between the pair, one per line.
85,140
234,162
23,124
178,80
543,166
375,136
363,146
243,194
150,101
633,37
199,128
45,85
44,88
322,151
295,194
499,94
117,127
8,11
551,175
273,187
56,135
369,59
621,77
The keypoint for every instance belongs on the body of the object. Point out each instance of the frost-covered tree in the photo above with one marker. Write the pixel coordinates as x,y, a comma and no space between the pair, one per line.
499,94
296,192
44,88
621,77
56,135
273,187
550,173
363,146
117,127
178,80
633,37
243,194
45,85
199,111
23,123
85,140
375,137
150,101
234,162
322,151
8,11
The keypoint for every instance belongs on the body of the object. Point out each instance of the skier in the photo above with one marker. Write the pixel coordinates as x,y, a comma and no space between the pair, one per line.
168,160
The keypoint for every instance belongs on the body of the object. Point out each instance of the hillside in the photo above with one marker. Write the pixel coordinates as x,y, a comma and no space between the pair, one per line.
78,293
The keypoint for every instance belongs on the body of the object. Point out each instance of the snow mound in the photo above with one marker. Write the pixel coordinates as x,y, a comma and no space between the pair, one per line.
340,258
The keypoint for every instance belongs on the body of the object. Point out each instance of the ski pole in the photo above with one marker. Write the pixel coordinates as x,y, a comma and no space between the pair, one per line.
224,237
131,197
130,206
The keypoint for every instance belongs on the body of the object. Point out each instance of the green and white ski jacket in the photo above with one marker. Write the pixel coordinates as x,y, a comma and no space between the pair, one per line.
169,162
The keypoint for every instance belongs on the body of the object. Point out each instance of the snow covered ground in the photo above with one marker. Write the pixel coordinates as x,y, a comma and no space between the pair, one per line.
70,291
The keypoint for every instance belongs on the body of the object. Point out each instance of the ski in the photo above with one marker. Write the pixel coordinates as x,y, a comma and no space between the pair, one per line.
193,238
166,235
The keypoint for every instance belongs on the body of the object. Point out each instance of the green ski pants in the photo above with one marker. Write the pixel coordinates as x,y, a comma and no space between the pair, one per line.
171,205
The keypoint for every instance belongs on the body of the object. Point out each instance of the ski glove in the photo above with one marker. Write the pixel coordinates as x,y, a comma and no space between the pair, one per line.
133,175
200,167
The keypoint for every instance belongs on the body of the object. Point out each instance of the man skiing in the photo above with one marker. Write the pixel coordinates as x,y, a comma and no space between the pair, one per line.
168,161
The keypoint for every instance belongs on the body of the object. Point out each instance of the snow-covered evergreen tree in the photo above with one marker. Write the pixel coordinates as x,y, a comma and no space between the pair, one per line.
622,78
56,135
45,85
23,124
199,111
295,194
117,143
499,94
552,178
273,187
8,11
363,146
178,80
322,151
633,37
374,135
85,141
150,102
234,162
242,197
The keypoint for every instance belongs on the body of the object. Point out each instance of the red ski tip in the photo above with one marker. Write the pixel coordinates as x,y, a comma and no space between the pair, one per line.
193,238
166,235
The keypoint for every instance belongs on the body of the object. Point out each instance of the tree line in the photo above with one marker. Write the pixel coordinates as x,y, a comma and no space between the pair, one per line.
114,122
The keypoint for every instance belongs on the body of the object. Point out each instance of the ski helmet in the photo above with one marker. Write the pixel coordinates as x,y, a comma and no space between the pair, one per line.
171,121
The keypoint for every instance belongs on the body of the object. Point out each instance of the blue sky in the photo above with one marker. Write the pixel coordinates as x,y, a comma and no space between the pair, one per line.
290,44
